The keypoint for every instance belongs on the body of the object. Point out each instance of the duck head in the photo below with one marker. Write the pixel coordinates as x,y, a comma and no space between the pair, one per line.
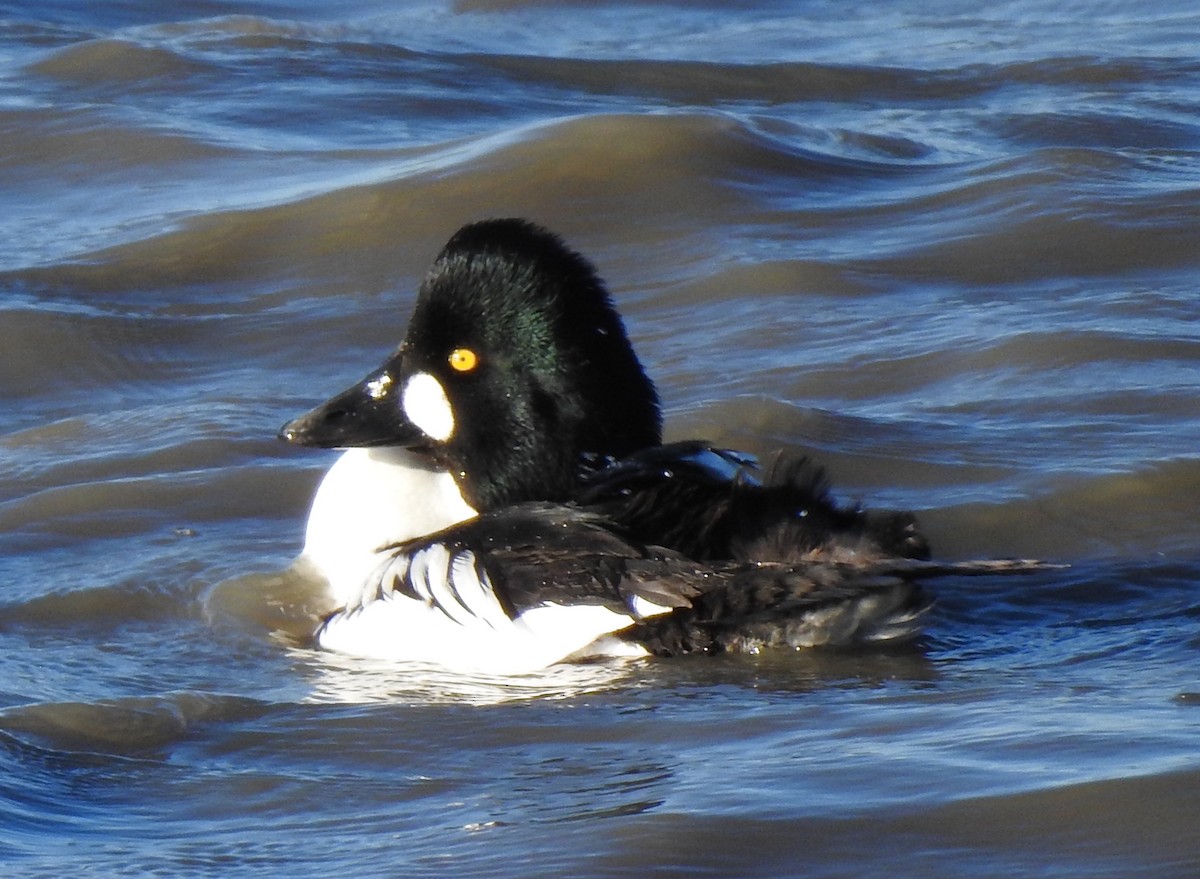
515,370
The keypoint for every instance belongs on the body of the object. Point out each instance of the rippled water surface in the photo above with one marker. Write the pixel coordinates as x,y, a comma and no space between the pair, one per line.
950,250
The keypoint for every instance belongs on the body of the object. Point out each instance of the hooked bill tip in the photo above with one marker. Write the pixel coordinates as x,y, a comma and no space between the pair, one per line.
291,433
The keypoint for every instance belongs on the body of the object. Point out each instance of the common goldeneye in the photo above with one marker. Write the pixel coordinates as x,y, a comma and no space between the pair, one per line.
506,501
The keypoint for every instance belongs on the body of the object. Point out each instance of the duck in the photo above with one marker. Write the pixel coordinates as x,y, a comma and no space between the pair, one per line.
505,500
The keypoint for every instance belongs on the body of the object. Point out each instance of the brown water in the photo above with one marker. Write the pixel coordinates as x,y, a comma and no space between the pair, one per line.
950,251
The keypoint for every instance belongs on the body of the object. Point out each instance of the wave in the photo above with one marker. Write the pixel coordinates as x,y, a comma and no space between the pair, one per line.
1144,513
118,62
562,171
142,726
1110,828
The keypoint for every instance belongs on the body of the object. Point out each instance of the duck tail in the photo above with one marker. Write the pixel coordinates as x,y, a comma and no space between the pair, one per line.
817,604
891,613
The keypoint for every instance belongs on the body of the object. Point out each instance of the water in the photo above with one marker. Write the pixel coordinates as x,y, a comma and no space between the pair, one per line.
951,251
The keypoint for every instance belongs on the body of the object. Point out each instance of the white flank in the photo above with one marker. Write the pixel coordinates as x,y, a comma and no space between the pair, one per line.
404,629
425,403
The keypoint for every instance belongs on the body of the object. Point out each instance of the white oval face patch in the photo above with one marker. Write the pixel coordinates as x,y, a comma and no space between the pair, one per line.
425,403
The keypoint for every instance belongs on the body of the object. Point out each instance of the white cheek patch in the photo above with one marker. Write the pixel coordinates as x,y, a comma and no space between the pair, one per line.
425,403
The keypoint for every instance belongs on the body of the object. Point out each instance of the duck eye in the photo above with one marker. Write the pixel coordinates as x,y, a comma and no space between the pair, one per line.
463,359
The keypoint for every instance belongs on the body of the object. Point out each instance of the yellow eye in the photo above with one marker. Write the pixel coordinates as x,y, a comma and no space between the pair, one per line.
463,359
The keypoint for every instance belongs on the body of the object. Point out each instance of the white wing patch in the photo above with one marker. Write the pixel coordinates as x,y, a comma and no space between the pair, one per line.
643,607
474,589
445,579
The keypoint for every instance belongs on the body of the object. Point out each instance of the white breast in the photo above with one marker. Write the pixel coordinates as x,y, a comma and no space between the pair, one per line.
371,498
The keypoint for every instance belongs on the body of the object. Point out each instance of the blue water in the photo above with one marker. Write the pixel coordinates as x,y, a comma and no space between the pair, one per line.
949,251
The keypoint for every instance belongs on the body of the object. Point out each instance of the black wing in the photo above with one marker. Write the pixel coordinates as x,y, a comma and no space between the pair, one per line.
500,564
715,504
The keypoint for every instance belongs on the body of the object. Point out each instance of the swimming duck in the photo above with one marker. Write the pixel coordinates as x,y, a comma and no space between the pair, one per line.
506,500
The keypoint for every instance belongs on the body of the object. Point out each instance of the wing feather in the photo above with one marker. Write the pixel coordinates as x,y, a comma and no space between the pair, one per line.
496,567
